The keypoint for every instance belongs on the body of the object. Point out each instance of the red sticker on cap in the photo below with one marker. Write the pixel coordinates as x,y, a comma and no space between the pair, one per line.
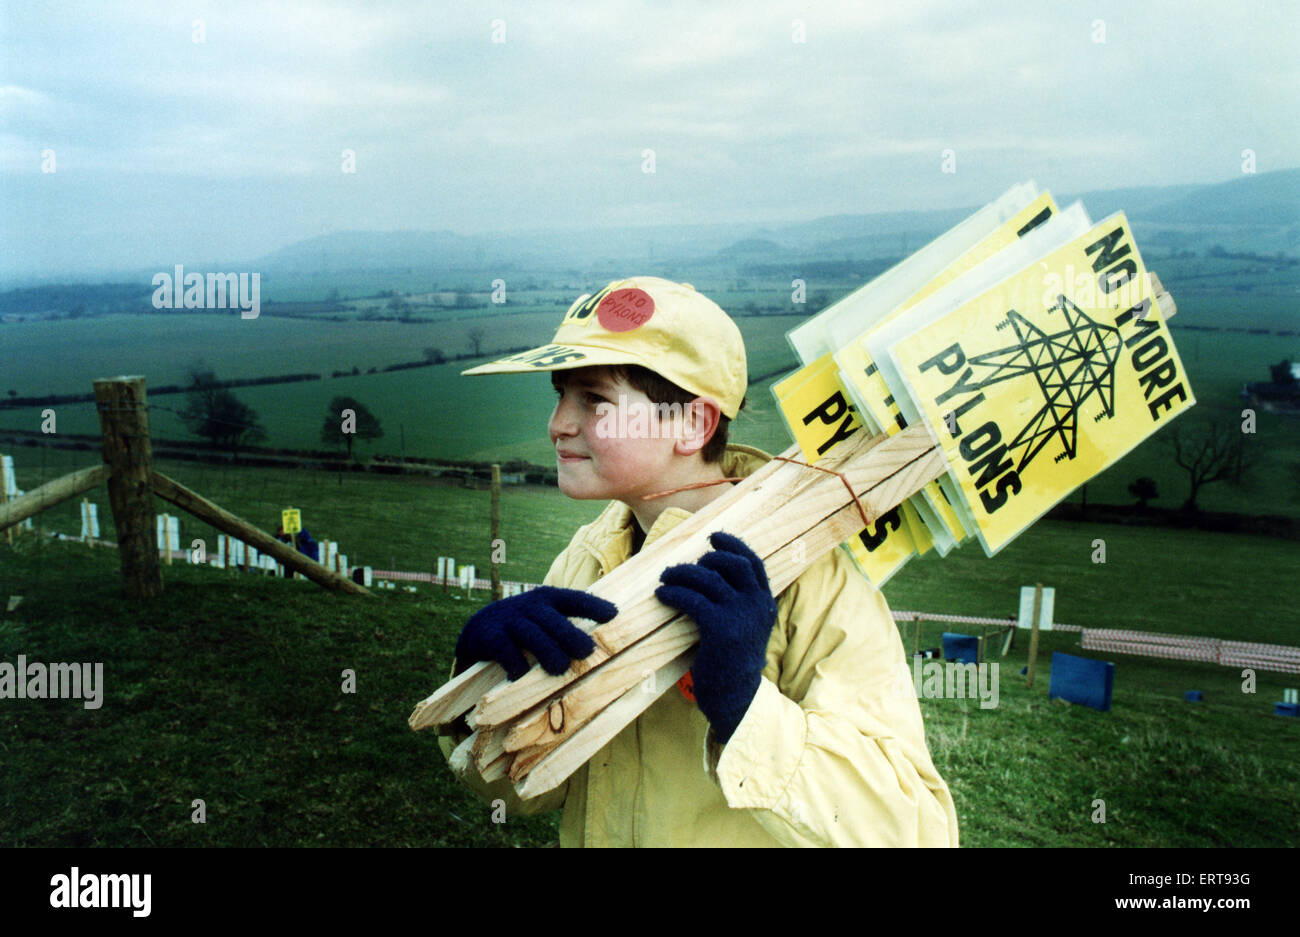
625,310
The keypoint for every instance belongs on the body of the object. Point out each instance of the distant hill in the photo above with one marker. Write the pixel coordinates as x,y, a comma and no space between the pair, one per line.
1271,198
375,250
752,247
1267,202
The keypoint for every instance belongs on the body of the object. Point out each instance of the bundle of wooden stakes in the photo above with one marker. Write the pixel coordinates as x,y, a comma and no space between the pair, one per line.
540,728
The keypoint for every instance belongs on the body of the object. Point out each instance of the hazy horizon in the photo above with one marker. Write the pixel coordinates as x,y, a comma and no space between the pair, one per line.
204,134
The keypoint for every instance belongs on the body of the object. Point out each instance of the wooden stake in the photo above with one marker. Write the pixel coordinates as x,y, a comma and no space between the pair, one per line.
124,422
222,519
1163,300
773,509
555,767
460,760
553,723
497,769
811,507
1033,635
50,494
496,530
1006,643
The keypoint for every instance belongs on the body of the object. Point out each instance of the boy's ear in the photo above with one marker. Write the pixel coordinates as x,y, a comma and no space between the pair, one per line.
700,419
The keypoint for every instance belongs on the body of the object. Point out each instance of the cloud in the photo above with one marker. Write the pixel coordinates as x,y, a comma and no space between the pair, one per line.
549,125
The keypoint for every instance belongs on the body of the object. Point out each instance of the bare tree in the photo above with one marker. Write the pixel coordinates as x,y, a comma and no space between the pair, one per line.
1210,451
476,336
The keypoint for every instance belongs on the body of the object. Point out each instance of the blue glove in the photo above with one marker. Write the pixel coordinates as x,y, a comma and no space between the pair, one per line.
534,621
727,595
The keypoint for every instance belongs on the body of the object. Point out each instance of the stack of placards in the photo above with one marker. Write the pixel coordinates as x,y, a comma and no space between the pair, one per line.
1033,343
960,394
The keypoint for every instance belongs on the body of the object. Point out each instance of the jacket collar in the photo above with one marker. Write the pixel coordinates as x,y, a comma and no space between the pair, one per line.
609,537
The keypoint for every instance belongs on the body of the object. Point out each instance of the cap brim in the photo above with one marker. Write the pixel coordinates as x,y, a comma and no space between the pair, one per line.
553,357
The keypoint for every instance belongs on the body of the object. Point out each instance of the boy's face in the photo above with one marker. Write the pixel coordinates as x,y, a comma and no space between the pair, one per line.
595,463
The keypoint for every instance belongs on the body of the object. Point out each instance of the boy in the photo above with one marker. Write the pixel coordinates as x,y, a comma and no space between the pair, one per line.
793,727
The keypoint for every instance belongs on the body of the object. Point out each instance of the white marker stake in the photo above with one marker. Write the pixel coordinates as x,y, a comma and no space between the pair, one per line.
10,482
367,576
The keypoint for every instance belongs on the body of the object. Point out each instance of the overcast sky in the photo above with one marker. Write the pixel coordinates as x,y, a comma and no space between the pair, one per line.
169,150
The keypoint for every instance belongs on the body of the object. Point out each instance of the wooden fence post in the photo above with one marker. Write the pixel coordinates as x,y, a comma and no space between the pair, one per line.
496,530
124,422
49,494
1033,635
253,538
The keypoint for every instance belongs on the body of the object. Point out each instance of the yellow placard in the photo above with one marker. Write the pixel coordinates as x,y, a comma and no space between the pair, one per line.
819,415
291,520
816,408
1046,379
886,545
871,392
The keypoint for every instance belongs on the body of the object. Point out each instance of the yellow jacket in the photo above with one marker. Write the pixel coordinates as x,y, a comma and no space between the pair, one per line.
831,752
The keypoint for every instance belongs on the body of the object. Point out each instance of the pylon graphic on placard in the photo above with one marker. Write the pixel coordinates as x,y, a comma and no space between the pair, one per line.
1069,365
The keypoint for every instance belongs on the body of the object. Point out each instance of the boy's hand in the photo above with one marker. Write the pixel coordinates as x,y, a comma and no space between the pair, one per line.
727,595
533,621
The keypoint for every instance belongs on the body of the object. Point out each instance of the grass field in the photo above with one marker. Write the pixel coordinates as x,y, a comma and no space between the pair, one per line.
443,414
228,689
438,414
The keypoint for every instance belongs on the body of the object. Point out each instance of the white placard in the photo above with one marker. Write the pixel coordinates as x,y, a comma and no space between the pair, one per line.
1044,612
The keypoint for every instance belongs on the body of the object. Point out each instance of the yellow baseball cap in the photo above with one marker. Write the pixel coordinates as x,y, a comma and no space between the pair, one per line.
661,325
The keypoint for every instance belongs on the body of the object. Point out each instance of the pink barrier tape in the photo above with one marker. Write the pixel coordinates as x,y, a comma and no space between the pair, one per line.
971,620
453,582
1275,657
1115,634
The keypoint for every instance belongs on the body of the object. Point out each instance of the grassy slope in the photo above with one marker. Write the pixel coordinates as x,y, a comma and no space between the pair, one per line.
228,689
